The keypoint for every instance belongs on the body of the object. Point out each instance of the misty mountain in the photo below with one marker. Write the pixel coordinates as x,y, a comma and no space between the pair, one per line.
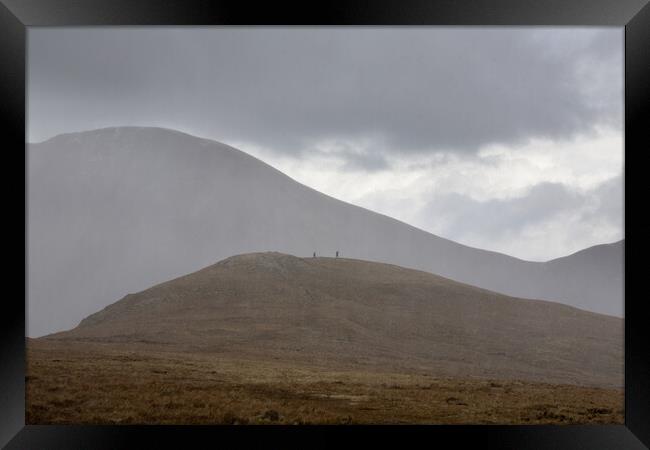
116,210
341,312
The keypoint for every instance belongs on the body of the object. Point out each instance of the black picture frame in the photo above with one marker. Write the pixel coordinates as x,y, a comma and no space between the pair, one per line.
17,15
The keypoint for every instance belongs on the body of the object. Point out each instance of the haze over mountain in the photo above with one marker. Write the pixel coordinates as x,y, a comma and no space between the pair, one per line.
116,210
342,312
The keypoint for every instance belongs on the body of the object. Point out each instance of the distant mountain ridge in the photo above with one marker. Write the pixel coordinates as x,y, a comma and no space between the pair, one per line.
116,210
343,312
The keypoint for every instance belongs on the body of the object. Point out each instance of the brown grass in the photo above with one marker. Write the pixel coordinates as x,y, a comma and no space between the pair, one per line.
108,384
345,312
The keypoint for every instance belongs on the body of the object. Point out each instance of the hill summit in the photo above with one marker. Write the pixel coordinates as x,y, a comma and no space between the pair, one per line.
340,312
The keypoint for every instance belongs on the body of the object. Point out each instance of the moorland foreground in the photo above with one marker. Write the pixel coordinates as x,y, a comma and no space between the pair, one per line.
87,383
274,338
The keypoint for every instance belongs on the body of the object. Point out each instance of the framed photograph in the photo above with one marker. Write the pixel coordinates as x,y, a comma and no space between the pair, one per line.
280,222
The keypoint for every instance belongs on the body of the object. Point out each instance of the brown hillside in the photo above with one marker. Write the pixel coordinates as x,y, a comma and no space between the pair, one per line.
339,312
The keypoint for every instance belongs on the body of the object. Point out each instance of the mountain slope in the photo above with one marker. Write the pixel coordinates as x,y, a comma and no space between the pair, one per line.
336,311
577,276
116,210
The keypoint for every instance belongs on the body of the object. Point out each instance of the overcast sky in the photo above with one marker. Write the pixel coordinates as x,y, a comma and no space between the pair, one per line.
509,139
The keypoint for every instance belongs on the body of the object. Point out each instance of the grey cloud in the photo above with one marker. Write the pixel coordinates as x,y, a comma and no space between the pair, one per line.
458,217
351,158
502,217
609,201
368,162
408,90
